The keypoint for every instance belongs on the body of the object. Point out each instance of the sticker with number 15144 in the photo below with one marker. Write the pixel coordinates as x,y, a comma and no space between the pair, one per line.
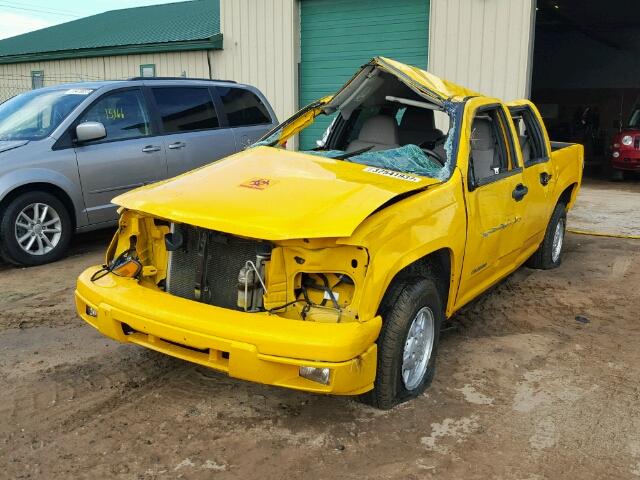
114,113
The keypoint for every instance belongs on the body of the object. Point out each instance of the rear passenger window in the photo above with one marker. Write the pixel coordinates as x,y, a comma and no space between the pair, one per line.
530,136
185,109
243,107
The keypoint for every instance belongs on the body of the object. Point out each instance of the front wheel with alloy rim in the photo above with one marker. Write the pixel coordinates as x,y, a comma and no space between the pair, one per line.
412,313
549,253
35,229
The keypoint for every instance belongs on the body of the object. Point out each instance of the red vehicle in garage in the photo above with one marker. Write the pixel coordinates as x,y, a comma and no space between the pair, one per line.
625,155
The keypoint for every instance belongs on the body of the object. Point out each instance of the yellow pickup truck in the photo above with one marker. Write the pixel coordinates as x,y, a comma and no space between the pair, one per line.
331,269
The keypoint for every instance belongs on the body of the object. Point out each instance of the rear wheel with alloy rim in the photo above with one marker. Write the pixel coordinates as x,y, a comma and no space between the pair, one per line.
412,312
549,253
35,228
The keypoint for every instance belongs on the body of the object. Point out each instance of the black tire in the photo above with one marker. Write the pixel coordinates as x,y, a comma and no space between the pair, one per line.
11,250
544,258
616,175
399,308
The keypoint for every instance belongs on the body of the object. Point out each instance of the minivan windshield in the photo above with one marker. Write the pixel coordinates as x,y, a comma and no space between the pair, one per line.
35,114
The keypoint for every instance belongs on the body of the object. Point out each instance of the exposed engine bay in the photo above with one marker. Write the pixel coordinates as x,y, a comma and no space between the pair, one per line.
259,276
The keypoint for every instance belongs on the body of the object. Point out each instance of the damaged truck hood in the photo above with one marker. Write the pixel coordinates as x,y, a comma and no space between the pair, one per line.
273,194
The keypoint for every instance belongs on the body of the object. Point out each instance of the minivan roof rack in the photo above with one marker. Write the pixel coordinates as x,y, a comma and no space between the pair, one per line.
182,78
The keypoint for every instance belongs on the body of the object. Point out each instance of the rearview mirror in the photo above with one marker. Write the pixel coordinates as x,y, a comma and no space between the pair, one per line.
88,131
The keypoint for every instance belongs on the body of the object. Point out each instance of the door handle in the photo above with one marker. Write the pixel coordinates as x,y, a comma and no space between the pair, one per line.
177,145
519,192
545,178
151,148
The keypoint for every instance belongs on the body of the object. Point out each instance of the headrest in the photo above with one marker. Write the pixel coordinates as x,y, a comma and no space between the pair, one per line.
379,129
416,118
482,135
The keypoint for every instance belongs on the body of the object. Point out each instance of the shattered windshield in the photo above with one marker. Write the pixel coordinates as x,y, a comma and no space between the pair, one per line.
383,123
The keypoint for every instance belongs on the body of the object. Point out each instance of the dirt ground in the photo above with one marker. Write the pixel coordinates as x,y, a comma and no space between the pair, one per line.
540,378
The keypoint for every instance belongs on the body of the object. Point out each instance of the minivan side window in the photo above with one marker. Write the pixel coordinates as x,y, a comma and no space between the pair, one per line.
243,107
123,114
185,109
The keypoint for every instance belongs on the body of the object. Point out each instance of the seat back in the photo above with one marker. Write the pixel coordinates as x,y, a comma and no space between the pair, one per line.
417,126
483,146
379,132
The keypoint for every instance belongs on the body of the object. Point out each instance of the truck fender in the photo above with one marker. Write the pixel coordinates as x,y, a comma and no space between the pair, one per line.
392,268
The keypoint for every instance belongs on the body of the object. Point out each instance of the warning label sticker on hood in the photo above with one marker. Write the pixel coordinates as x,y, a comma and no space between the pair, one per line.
258,183
393,174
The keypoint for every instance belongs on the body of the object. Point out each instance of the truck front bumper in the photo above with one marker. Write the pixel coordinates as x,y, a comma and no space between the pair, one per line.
258,347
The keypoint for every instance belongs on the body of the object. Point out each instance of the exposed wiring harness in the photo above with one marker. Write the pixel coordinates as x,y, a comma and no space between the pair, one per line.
309,284
115,263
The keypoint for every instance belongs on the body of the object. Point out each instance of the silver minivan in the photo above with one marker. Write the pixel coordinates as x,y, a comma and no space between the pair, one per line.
67,150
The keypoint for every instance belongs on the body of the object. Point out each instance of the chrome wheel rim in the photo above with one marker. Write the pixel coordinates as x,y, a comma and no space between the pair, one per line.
38,229
558,239
417,348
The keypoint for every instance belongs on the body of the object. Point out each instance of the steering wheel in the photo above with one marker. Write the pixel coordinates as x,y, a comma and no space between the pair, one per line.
436,156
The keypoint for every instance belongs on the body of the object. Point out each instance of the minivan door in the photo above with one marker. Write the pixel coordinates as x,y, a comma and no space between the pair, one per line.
193,133
246,114
131,155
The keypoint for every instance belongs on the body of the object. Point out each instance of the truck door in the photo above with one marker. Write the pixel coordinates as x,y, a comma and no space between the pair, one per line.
496,197
538,174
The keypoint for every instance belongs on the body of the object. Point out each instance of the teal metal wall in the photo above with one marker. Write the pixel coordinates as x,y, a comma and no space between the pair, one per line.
338,36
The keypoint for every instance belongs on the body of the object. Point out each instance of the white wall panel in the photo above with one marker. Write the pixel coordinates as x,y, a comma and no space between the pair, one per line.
483,44
260,47
16,78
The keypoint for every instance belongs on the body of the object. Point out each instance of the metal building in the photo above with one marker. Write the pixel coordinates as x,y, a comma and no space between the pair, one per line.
299,50
293,50
163,40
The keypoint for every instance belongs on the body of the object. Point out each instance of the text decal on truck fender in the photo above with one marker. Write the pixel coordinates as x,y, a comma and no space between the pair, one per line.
392,174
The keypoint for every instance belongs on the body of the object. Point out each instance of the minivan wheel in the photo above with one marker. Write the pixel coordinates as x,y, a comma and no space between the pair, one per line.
35,229
412,315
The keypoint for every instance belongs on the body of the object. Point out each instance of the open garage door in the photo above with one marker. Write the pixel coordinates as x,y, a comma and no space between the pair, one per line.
338,36
586,75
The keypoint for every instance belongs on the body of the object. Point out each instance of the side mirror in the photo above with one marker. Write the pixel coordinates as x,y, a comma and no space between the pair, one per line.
89,131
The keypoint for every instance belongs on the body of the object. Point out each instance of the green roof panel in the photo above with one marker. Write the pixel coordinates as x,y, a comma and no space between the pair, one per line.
191,25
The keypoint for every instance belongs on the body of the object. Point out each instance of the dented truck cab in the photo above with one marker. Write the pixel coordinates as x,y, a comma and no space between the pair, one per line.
332,270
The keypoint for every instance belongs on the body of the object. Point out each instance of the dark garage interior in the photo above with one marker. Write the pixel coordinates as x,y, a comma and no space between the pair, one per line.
586,72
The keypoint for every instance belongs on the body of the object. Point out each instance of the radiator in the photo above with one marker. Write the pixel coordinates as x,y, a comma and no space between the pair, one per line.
225,256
